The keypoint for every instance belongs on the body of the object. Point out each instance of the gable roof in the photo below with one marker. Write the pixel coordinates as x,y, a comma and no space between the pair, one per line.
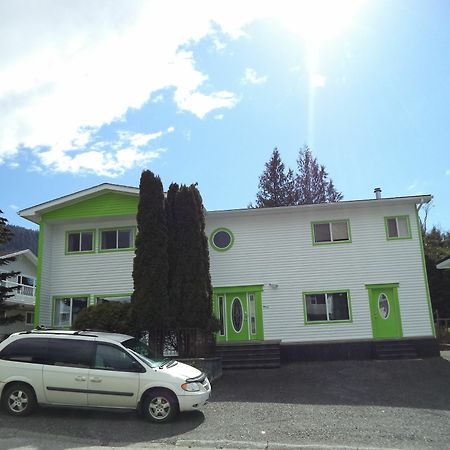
28,254
35,213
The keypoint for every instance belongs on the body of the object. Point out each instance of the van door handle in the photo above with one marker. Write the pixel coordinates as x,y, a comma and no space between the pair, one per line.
96,379
80,378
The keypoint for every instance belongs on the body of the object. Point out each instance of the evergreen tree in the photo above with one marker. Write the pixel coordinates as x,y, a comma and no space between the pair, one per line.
6,292
275,186
150,303
173,291
312,184
437,248
191,284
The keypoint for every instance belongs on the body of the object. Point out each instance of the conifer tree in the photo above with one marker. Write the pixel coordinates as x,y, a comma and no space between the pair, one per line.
275,186
150,266
311,183
5,291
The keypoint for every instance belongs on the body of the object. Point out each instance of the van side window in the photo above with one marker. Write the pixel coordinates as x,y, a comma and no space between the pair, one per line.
109,357
70,352
30,350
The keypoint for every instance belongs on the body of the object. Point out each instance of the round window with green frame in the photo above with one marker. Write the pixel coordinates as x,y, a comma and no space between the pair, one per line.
221,239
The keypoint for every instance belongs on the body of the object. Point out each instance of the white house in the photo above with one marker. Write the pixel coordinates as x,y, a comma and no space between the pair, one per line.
328,277
23,299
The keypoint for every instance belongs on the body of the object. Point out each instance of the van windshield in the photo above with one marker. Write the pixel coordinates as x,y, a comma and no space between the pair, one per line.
143,351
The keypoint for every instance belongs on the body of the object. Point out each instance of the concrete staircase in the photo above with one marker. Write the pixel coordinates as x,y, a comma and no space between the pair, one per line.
249,355
395,350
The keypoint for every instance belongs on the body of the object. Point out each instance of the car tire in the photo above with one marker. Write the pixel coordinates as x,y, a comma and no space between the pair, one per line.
19,399
160,406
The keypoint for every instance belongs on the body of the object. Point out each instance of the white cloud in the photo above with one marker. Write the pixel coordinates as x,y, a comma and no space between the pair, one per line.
219,45
251,77
219,116
68,68
14,207
448,172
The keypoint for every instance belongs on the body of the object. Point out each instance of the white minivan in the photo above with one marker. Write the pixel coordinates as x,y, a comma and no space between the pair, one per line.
95,369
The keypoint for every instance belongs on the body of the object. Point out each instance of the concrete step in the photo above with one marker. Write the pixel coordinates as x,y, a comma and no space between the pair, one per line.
257,354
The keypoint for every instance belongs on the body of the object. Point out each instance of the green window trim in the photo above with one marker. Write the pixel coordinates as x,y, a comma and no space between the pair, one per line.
397,238
238,289
71,296
80,252
349,231
324,292
125,249
211,239
382,285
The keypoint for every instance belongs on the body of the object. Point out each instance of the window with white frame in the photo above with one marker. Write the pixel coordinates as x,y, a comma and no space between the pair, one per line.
66,310
333,231
398,227
80,241
116,239
326,306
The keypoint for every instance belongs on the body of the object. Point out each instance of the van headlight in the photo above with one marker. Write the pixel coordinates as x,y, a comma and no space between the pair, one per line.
190,387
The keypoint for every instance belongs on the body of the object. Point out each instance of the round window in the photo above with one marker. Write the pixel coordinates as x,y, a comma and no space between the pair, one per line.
383,306
237,314
221,239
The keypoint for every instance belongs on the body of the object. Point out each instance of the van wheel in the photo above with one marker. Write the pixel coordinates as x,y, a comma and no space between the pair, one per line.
19,399
160,405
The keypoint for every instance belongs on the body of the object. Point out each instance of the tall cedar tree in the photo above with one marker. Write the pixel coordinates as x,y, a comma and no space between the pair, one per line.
437,248
172,249
276,188
311,183
150,302
191,291
6,292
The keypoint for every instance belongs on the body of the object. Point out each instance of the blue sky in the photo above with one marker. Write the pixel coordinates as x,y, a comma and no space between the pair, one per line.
203,91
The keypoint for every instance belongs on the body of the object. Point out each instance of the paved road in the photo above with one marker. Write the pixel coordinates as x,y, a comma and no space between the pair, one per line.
358,404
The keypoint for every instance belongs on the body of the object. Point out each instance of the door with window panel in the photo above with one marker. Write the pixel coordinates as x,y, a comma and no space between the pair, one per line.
239,315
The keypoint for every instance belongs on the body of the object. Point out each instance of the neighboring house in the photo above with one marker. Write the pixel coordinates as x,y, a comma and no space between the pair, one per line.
24,296
317,277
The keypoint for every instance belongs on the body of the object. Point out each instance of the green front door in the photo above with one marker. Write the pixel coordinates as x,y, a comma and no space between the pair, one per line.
385,311
239,311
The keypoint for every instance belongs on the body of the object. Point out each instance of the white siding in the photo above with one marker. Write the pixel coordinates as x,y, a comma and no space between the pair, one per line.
87,274
278,249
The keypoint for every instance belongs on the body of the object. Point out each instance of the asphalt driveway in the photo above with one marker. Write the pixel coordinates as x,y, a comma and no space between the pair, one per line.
360,404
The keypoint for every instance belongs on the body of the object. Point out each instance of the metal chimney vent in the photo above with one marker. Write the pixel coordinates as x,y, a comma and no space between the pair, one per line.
377,192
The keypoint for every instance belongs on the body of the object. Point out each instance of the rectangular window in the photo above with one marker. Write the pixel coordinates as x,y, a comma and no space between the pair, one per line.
66,310
112,298
327,306
398,227
29,318
116,239
221,315
251,299
330,232
80,241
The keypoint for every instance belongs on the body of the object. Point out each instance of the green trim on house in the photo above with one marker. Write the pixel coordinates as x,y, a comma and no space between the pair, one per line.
408,226
37,300
211,242
425,274
382,285
109,204
315,322
80,252
109,250
349,230
56,297
238,289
